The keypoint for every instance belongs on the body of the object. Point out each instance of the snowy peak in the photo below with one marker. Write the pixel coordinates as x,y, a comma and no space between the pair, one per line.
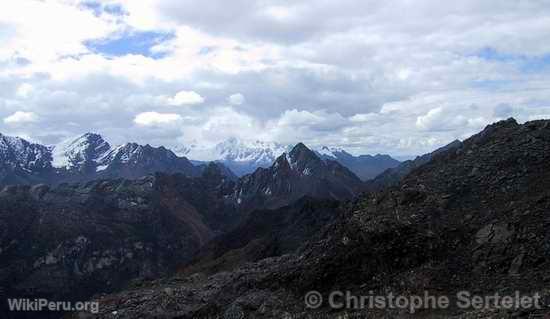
331,152
75,153
16,152
135,153
241,156
263,153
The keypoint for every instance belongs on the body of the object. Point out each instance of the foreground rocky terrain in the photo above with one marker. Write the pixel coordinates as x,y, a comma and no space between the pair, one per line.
68,242
473,218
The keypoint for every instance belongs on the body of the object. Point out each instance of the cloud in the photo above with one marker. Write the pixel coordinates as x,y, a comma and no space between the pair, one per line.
34,22
396,77
154,118
236,99
503,110
24,90
431,119
21,117
186,98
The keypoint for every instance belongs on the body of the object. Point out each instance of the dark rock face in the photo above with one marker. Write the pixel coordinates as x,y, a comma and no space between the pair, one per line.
294,175
265,233
473,218
366,167
68,242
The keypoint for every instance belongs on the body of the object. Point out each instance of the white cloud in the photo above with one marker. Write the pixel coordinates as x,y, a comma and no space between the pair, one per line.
430,119
155,118
399,77
24,90
21,117
236,99
186,98
41,33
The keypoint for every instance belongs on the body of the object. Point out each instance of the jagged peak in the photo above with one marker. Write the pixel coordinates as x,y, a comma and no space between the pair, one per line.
300,150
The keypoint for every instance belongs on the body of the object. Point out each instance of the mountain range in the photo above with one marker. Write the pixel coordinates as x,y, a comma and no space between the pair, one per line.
244,157
84,158
89,156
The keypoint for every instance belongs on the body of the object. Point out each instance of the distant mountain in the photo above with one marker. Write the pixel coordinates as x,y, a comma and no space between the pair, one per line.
244,157
87,157
132,161
296,174
82,154
23,162
240,157
364,166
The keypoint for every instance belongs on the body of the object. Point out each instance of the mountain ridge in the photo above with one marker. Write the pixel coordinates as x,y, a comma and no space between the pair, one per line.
89,156
244,157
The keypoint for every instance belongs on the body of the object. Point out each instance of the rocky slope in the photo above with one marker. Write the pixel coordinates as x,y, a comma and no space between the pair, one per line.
67,242
473,218
264,233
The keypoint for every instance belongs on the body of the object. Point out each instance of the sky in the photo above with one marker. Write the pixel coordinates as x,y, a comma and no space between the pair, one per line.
400,77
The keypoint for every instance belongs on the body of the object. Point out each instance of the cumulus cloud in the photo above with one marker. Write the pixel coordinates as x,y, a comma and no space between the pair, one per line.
186,98
155,118
21,117
236,99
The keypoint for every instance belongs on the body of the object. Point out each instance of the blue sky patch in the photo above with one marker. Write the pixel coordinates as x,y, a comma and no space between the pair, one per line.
131,43
526,63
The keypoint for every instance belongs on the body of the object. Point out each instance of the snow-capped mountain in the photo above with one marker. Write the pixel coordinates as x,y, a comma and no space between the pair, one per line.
132,160
242,157
89,156
86,157
85,152
23,162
